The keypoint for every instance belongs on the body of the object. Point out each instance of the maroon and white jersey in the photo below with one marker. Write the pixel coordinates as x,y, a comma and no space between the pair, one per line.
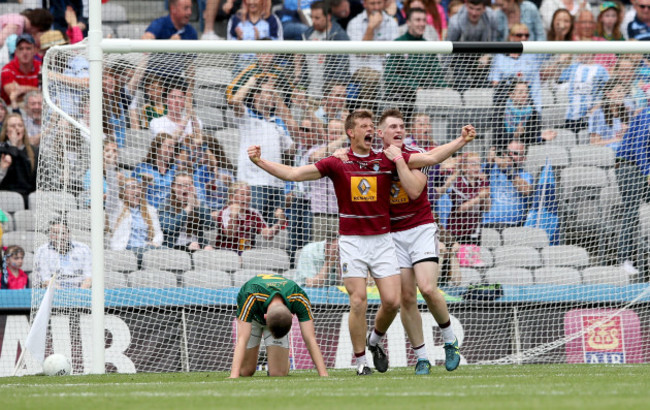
404,213
362,186
463,224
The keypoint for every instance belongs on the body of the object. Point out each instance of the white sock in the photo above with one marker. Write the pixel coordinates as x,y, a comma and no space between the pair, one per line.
448,334
374,338
358,361
421,352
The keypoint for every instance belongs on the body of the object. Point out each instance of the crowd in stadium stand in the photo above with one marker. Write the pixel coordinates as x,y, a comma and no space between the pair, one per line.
186,186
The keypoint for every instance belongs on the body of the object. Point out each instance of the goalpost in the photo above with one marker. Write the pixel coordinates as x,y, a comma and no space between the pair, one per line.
567,289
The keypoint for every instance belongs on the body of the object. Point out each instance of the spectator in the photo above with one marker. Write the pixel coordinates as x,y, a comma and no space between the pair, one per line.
475,22
32,116
3,112
373,24
333,105
114,114
586,80
60,11
76,28
517,116
625,72
21,74
420,135
324,207
133,222
394,10
183,218
13,24
155,95
524,12
322,68
609,121
263,123
510,187
609,22
255,21
407,73
213,173
639,28
158,169
344,11
454,7
174,26
632,172
110,162
317,266
585,30
217,11
436,18
69,260
294,21
549,7
525,67
561,28
18,159
180,121
239,224
13,277
470,196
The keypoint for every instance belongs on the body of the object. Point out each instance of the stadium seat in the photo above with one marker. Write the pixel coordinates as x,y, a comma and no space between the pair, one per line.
438,97
579,199
11,201
115,280
9,224
52,201
509,276
610,275
12,8
490,238
152,279
469,276
80,235
107,31
167,259
130,157
537,156
571,256
269,259
557,276
280,241
517,257
592,155
478,97
644,220
28,262
28,240
217,260
242,276
210,235
120,261
525,236
114,13
486,257
203,279
133,31
565,138
584,137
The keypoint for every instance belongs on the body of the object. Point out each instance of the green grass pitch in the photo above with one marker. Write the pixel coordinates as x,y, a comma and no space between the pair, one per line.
470,387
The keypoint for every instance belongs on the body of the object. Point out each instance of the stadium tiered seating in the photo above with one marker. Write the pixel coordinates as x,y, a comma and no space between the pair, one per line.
243,275
120,261
269,259
167,259
525,236
134,31
537,156
11,201
279,241
28,240
610,275
207,279
115,280
152,279
507,275
469,276
490,238
554,275
571,256
517,257
592,155
218,260
565,138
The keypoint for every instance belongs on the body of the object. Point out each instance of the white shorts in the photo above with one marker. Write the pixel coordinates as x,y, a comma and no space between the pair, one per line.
260,330
417,244
363,253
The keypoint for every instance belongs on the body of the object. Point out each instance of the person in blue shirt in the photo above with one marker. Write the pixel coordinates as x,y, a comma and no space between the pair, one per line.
632,173
510,187
174,26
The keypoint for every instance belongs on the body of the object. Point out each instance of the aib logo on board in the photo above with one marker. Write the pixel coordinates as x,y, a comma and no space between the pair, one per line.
603,342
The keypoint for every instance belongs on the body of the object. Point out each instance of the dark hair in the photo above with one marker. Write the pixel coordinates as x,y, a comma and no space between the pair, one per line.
476,2
351,120
390,112
613,109
279,321
320,5
42,19
410,12
551,31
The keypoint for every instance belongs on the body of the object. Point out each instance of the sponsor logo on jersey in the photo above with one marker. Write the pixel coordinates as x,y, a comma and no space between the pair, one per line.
397,194
364,189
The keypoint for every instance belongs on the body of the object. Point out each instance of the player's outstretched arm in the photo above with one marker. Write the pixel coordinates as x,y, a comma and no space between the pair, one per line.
243,335
441,153
309,336
284,172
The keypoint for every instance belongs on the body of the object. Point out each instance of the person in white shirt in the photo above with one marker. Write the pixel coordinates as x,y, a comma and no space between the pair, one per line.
181,120
69,260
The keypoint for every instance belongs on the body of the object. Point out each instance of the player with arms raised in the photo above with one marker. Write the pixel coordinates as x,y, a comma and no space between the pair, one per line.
362,185
265,308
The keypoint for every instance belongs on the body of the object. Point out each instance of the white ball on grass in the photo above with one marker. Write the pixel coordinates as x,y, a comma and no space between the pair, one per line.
57,365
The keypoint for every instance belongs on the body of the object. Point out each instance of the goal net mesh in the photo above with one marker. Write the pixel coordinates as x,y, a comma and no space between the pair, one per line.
561,146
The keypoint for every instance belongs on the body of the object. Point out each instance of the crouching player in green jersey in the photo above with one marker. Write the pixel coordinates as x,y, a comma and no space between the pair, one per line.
265,308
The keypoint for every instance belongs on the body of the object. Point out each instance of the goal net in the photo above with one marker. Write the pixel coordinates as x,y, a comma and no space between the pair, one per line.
548,265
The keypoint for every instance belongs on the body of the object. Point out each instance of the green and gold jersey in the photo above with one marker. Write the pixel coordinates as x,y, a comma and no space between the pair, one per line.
256,294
